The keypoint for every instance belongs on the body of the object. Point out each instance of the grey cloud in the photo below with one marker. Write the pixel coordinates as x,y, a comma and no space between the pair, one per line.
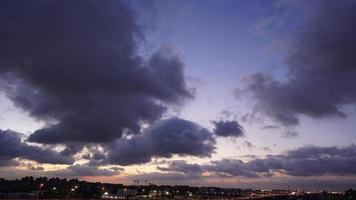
117,169
249,145
270,127
309,161
224,168
182,166
32,167
167,178
75,65
228,128
165,138
321,68
98,156
36,168
291,134
83,170
226,113
8,162
266,148
12,147
304,162
72,149
86,156
228,167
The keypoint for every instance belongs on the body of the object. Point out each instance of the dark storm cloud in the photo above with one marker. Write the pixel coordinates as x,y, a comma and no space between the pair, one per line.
304,161
321,68
308,161
7,162
223,168
311,160
74,65
72,148
228,128
12,147
165,138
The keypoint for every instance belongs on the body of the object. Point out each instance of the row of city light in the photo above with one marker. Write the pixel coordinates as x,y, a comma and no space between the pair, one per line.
54,188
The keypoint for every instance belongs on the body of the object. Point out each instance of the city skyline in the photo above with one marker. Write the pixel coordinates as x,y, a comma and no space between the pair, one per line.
224,93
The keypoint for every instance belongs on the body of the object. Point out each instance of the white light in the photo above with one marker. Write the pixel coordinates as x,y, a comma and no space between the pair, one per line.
54,188
106,193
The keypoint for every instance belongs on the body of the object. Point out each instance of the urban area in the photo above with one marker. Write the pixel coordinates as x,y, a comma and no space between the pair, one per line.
56,188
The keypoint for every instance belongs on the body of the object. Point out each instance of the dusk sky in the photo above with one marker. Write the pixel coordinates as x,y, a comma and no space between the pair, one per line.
228,93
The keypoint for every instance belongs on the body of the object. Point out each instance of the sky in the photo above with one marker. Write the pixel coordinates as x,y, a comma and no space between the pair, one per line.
248,94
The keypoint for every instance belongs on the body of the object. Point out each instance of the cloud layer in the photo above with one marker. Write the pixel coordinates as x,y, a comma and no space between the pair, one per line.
304,161
82,171
12,147
321,68
74,65
228,128
165,138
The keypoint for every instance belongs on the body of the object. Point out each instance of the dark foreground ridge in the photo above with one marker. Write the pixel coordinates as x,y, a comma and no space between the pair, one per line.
56,188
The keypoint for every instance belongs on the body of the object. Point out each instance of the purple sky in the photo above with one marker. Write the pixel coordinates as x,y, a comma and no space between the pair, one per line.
224,93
